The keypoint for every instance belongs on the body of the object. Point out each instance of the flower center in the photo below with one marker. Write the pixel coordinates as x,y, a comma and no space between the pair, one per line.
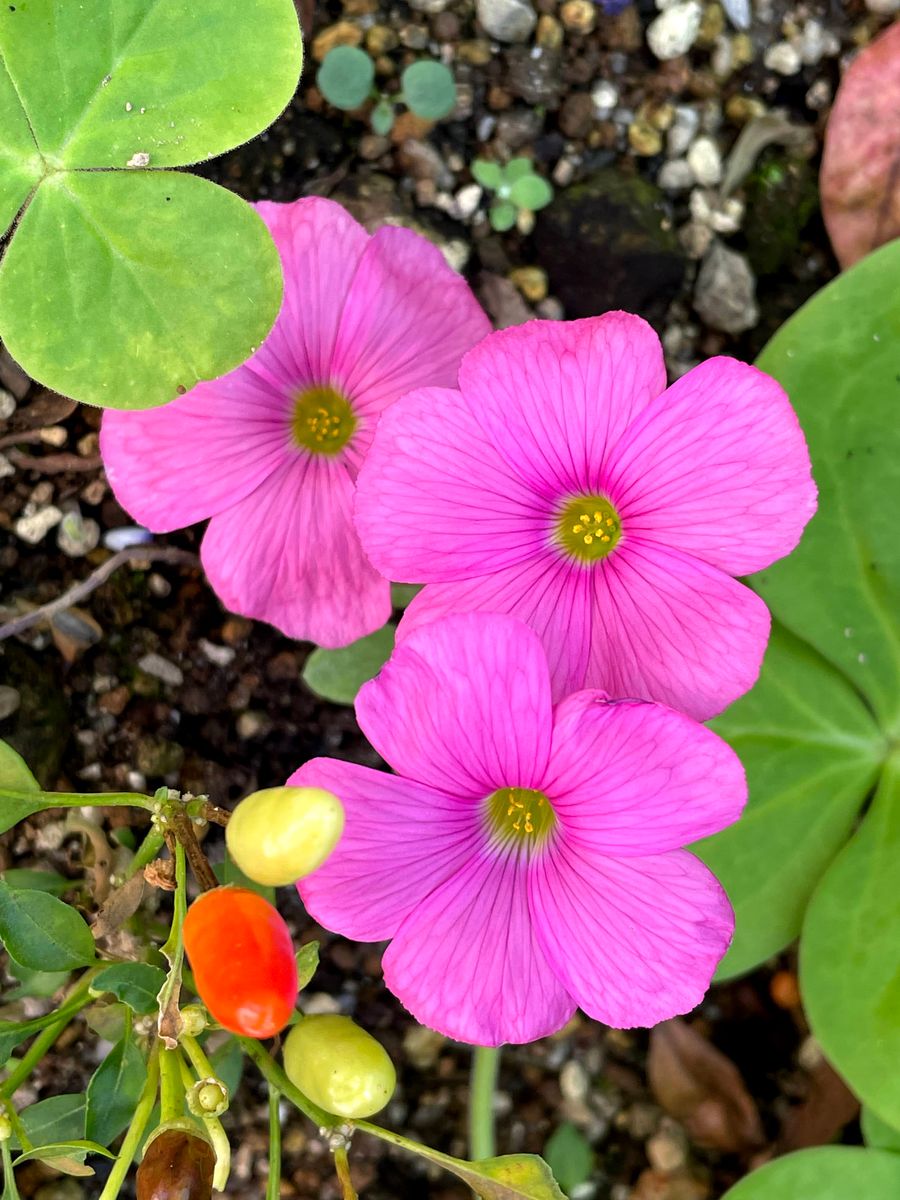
323,421
520,815
589,528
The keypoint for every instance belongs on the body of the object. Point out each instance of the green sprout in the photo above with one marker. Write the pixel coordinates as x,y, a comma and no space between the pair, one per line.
517,189
346,79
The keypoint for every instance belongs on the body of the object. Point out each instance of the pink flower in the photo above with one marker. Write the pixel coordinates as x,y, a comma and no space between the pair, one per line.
564,484
525,859
271,451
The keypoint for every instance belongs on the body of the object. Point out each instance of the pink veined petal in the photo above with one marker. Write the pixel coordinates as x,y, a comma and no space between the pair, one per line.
634,940
172,466
321,247
629,778
288,554
555,396
717,467
551,596
463,705
436,501
670,628
401,840
408,320
466,961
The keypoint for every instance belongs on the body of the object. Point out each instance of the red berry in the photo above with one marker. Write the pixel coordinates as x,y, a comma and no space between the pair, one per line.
243,961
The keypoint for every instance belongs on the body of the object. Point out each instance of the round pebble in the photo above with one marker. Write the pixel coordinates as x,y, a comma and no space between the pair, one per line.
675,30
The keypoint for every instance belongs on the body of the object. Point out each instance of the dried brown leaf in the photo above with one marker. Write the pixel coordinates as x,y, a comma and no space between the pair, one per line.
860,178
703,1089
118,907
828,1107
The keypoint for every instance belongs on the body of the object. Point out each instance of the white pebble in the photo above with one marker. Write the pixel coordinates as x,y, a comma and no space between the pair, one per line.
125,536
675,30
705,161
883,7
160,668
467,200
783,58
33,527
605,97
6,467
738,13
7,404
219,656
683,130
676,175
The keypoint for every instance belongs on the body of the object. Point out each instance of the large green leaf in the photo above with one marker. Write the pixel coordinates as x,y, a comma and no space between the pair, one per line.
850,956
114,1090
139,252
42,932
124,287
58,1119
16,777
840,590
182,80
811,750
137,984
20,163
825,1173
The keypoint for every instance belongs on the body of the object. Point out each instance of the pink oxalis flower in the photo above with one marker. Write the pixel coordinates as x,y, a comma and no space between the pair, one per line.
525,859
272,450
565,484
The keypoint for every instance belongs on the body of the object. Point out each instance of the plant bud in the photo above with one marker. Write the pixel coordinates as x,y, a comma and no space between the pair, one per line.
208,1098
279,835
339,1066
177,1165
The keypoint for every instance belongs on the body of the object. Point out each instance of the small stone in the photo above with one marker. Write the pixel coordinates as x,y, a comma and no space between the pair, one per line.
380,40
476,53
742,50
160,668
722,58
783,58
467,200
696,238
676,175
77,535
344,33
564,172
819,95
319,1003
883,8
531,282
9,701
431,7
605,96
506,20
7,404
738,12
722,216
6,467
252,724
741,109
372,146
422,1046
576,115
34,526
675,30
644,139
817,43
725,291
549,35
573,1081
578,16
155,757
666,1150
682,131
126,536
705,161
712,25
550,309
414,37
219,656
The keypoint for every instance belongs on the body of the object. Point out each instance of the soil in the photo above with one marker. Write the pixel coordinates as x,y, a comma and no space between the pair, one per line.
227,710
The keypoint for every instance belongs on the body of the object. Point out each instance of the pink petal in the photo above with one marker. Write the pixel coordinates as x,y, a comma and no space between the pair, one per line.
288,554
629,778
189,460
400,841
321,247
717,467
409,320
466,961
555,396
463,705
634,940
670,628
436,501
548,594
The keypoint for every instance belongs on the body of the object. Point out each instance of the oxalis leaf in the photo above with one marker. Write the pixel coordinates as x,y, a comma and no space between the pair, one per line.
812,751
337,675
42,932
825,1173
850,956
840,589
135,85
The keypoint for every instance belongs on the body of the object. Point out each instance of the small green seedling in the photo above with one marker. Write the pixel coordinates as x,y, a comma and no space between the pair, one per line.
517,189
346,79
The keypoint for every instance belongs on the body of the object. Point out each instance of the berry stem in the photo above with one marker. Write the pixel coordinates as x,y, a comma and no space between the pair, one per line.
273,1184
342,1166
135,1132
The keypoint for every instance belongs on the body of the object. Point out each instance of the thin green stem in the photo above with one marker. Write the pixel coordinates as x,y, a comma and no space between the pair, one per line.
10,1191
342,1166
199,1061
79,799
171,1086
17,1127
45,1039
485,1065
275,1075
222,1149
135,1133
273,1184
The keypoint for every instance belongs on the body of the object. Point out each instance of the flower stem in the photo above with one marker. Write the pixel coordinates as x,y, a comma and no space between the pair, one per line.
273,1185
485,1065
132,1140
342,1166
10,1191
45,1039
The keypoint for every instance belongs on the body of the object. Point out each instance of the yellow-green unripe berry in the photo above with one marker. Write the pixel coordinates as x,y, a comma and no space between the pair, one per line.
279,835
339,1066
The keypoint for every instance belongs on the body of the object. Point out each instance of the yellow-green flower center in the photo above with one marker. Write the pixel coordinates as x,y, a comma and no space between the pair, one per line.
323,421
520,815
588,528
